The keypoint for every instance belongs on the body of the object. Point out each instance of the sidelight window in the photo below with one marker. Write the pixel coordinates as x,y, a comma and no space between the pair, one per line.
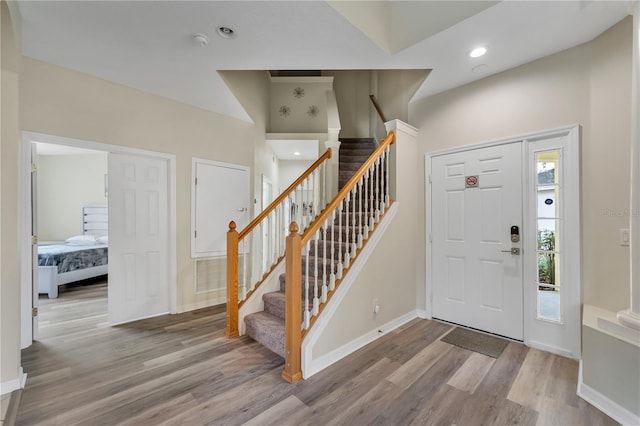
549,227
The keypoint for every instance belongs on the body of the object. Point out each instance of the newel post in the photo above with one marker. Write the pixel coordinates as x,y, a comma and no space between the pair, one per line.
293,307
232,281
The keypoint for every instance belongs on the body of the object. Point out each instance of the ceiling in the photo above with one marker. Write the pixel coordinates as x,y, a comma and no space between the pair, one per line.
149,45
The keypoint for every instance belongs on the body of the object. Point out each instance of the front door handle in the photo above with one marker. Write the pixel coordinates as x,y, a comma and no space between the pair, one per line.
514,250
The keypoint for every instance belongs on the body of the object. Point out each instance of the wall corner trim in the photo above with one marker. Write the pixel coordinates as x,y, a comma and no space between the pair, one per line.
604,404
15,384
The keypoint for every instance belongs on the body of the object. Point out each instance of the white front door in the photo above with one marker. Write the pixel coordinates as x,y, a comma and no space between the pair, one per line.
476,200
138,237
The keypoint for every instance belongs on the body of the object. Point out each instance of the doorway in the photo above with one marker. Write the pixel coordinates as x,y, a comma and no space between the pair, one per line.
166,178
503,238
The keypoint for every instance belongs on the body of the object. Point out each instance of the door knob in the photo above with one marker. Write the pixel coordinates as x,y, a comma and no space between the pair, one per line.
514,251
242,209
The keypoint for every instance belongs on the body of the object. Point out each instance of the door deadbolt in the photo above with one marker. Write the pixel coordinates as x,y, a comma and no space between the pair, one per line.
515,234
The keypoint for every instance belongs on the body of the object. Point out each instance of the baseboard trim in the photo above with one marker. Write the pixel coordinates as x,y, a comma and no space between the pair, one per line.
316,365
17,383
203,304
552,349
604,404
422,313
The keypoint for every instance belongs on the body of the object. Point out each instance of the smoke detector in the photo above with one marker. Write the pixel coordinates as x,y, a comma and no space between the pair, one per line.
201,39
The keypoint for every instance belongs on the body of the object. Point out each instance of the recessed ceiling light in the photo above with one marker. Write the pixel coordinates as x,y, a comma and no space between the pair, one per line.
226,32
296,153
477,52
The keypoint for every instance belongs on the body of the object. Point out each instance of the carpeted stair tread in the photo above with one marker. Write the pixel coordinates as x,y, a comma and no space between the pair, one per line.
274,302
266,329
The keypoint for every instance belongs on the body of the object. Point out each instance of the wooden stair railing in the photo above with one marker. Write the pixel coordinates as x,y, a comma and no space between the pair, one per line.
312,280
378,109
299,203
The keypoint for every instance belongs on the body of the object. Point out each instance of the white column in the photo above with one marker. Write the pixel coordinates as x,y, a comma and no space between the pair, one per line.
631,316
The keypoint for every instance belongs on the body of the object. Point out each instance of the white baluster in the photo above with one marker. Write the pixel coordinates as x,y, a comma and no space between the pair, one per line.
366,204
377,166
372,199
243,290
307,313
354,239
330,261
360,228
319,264
347,246
387,199
340,257
332,277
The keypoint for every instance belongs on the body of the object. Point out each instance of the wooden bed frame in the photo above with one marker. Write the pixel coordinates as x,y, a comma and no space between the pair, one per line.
95,221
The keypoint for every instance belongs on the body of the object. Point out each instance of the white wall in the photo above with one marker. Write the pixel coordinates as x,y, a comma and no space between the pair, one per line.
352,88
290,170
588,85
65,184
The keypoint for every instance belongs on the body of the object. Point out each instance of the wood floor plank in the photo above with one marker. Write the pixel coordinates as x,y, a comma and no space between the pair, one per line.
343,397
162,412
411,370
437,411
180,369
282,413
411,400
529,386
472,372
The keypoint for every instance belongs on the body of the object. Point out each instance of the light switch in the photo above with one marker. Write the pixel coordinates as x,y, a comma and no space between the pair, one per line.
624,237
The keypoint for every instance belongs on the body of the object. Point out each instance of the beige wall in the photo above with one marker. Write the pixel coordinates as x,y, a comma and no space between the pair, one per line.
587,85
298,120
352,88
10,262
252,89
66,103
65,184
290,170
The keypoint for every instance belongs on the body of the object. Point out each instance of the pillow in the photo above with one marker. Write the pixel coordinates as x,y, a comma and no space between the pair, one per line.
102,240
81,240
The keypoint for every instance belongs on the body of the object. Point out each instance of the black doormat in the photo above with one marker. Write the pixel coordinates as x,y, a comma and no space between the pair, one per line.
477,342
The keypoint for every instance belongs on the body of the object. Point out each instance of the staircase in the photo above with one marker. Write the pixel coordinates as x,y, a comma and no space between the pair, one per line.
267,327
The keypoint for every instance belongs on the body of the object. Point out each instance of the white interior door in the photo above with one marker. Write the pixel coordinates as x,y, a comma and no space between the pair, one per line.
221,195
476,199
138,237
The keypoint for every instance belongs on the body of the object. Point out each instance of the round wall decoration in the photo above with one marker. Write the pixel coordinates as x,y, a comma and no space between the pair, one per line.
298,92
313,111
284,111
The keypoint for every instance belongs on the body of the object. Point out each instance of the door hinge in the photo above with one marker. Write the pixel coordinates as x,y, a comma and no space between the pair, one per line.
195,234
429,178
430,238
34,312
34,240
34,168
196,181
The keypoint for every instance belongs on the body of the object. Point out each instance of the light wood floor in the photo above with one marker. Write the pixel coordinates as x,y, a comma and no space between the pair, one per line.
182,370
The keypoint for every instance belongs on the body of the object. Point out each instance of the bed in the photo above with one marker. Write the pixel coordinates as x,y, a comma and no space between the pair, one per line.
79,257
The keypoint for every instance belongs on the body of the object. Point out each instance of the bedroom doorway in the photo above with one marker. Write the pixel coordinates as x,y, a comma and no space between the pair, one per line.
29,268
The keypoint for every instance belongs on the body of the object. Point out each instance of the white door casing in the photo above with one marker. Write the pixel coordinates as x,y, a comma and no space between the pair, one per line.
476,199
138,237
